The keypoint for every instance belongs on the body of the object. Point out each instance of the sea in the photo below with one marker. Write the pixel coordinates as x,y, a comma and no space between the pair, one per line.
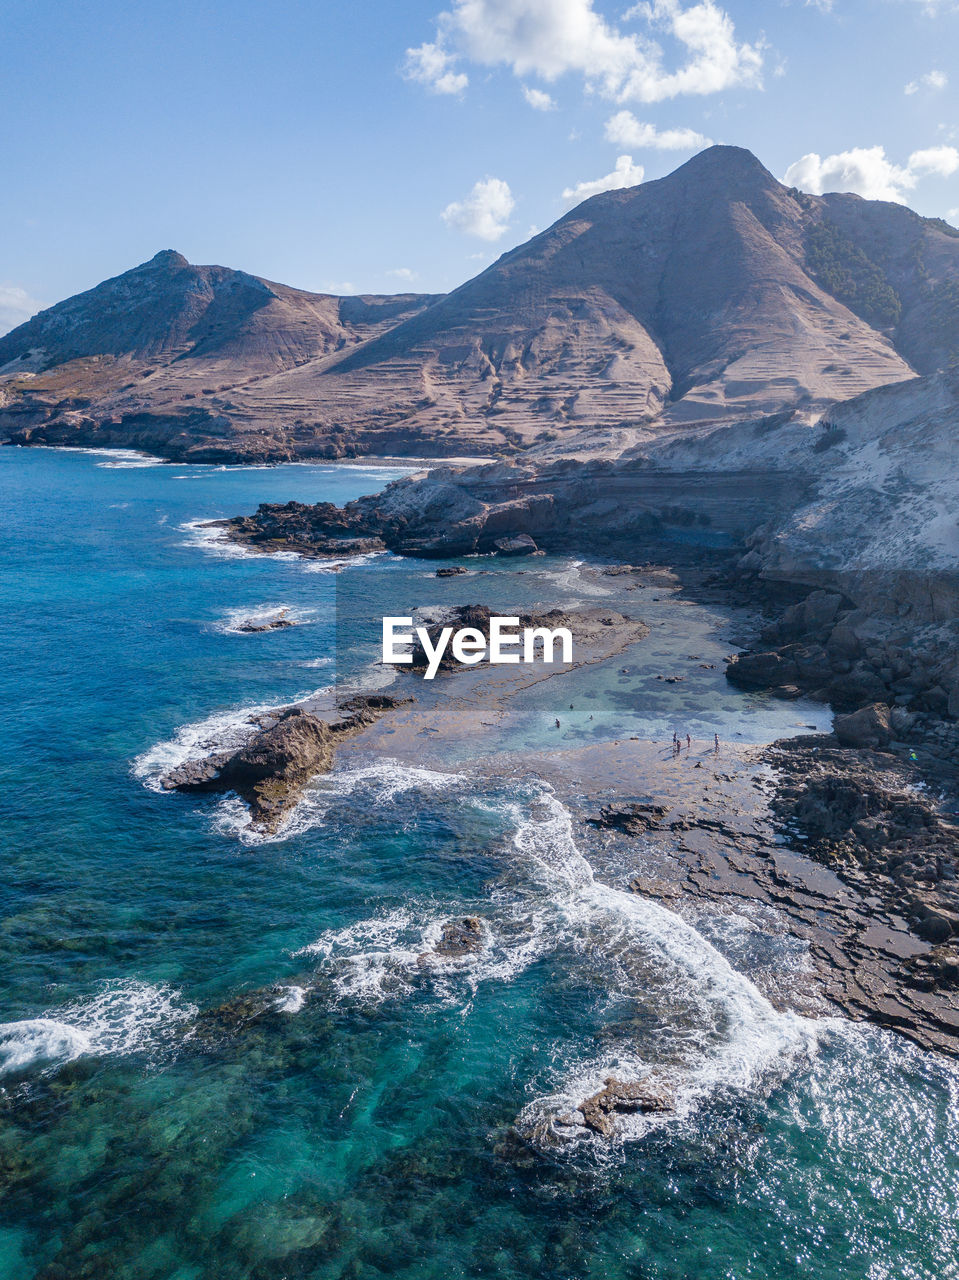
227,1055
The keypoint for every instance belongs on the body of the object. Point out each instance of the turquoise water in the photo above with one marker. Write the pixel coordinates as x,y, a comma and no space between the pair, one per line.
225,1058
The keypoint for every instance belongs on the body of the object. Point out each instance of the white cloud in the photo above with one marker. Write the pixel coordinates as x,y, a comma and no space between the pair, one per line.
931,80
485,211
431,65
16,306
942,161
551,38
403,273
868,172
340,288
626,131
538,100
625,174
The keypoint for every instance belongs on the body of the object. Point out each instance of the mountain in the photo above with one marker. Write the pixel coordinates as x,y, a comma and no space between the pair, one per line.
155,358
711,295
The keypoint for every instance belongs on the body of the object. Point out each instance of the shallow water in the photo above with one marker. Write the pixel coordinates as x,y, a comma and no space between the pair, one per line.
227,1060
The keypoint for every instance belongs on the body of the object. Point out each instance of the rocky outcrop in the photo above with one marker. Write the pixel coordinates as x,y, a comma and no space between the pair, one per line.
597,507
271,769
320,531
868,727
892,679
652,1094
253,626
633,819
862,813
458,939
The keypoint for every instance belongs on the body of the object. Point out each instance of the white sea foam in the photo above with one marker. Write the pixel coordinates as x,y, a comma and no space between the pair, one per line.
291,999
212,539
222,731
384,780
372,958
39,1042
336,565
260,614
132,463
570,578
389,955
741,1037
123,1018
548,901
114,457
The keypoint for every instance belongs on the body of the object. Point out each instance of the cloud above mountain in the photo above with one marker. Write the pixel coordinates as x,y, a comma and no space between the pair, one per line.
624,174
485,212
552,38
626,131
868,172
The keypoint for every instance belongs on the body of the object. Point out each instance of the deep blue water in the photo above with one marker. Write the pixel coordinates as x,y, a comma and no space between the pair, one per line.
227,1059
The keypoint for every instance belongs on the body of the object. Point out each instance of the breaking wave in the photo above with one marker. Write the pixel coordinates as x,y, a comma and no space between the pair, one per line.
715,1028
114,458
123,1018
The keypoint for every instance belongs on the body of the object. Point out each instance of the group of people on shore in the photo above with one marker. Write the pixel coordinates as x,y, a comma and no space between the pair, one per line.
678,743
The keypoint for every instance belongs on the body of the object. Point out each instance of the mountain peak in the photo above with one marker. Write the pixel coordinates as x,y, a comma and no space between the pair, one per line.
166,258
725,164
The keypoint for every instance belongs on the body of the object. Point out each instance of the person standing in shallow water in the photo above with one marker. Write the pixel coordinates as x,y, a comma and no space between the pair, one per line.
716,743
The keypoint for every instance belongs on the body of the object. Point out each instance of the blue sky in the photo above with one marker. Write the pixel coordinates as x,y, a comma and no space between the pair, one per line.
384,146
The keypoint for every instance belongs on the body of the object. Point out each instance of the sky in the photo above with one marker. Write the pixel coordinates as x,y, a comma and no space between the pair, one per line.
383,147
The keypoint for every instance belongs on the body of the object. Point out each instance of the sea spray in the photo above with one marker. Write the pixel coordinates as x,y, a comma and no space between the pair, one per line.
256,618
123,1017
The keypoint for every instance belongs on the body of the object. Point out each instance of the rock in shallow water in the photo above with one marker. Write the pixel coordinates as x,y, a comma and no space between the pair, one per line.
459,938
625,1097
250,626
270,770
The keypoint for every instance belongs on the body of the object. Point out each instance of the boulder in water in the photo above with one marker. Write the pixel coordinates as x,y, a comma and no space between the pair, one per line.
458,938
625,1097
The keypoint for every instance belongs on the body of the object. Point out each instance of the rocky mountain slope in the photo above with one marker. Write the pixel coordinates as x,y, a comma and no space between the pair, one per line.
159,356
711,295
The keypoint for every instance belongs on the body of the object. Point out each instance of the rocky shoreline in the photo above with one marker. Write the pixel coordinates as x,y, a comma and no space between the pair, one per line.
870,803
764,829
